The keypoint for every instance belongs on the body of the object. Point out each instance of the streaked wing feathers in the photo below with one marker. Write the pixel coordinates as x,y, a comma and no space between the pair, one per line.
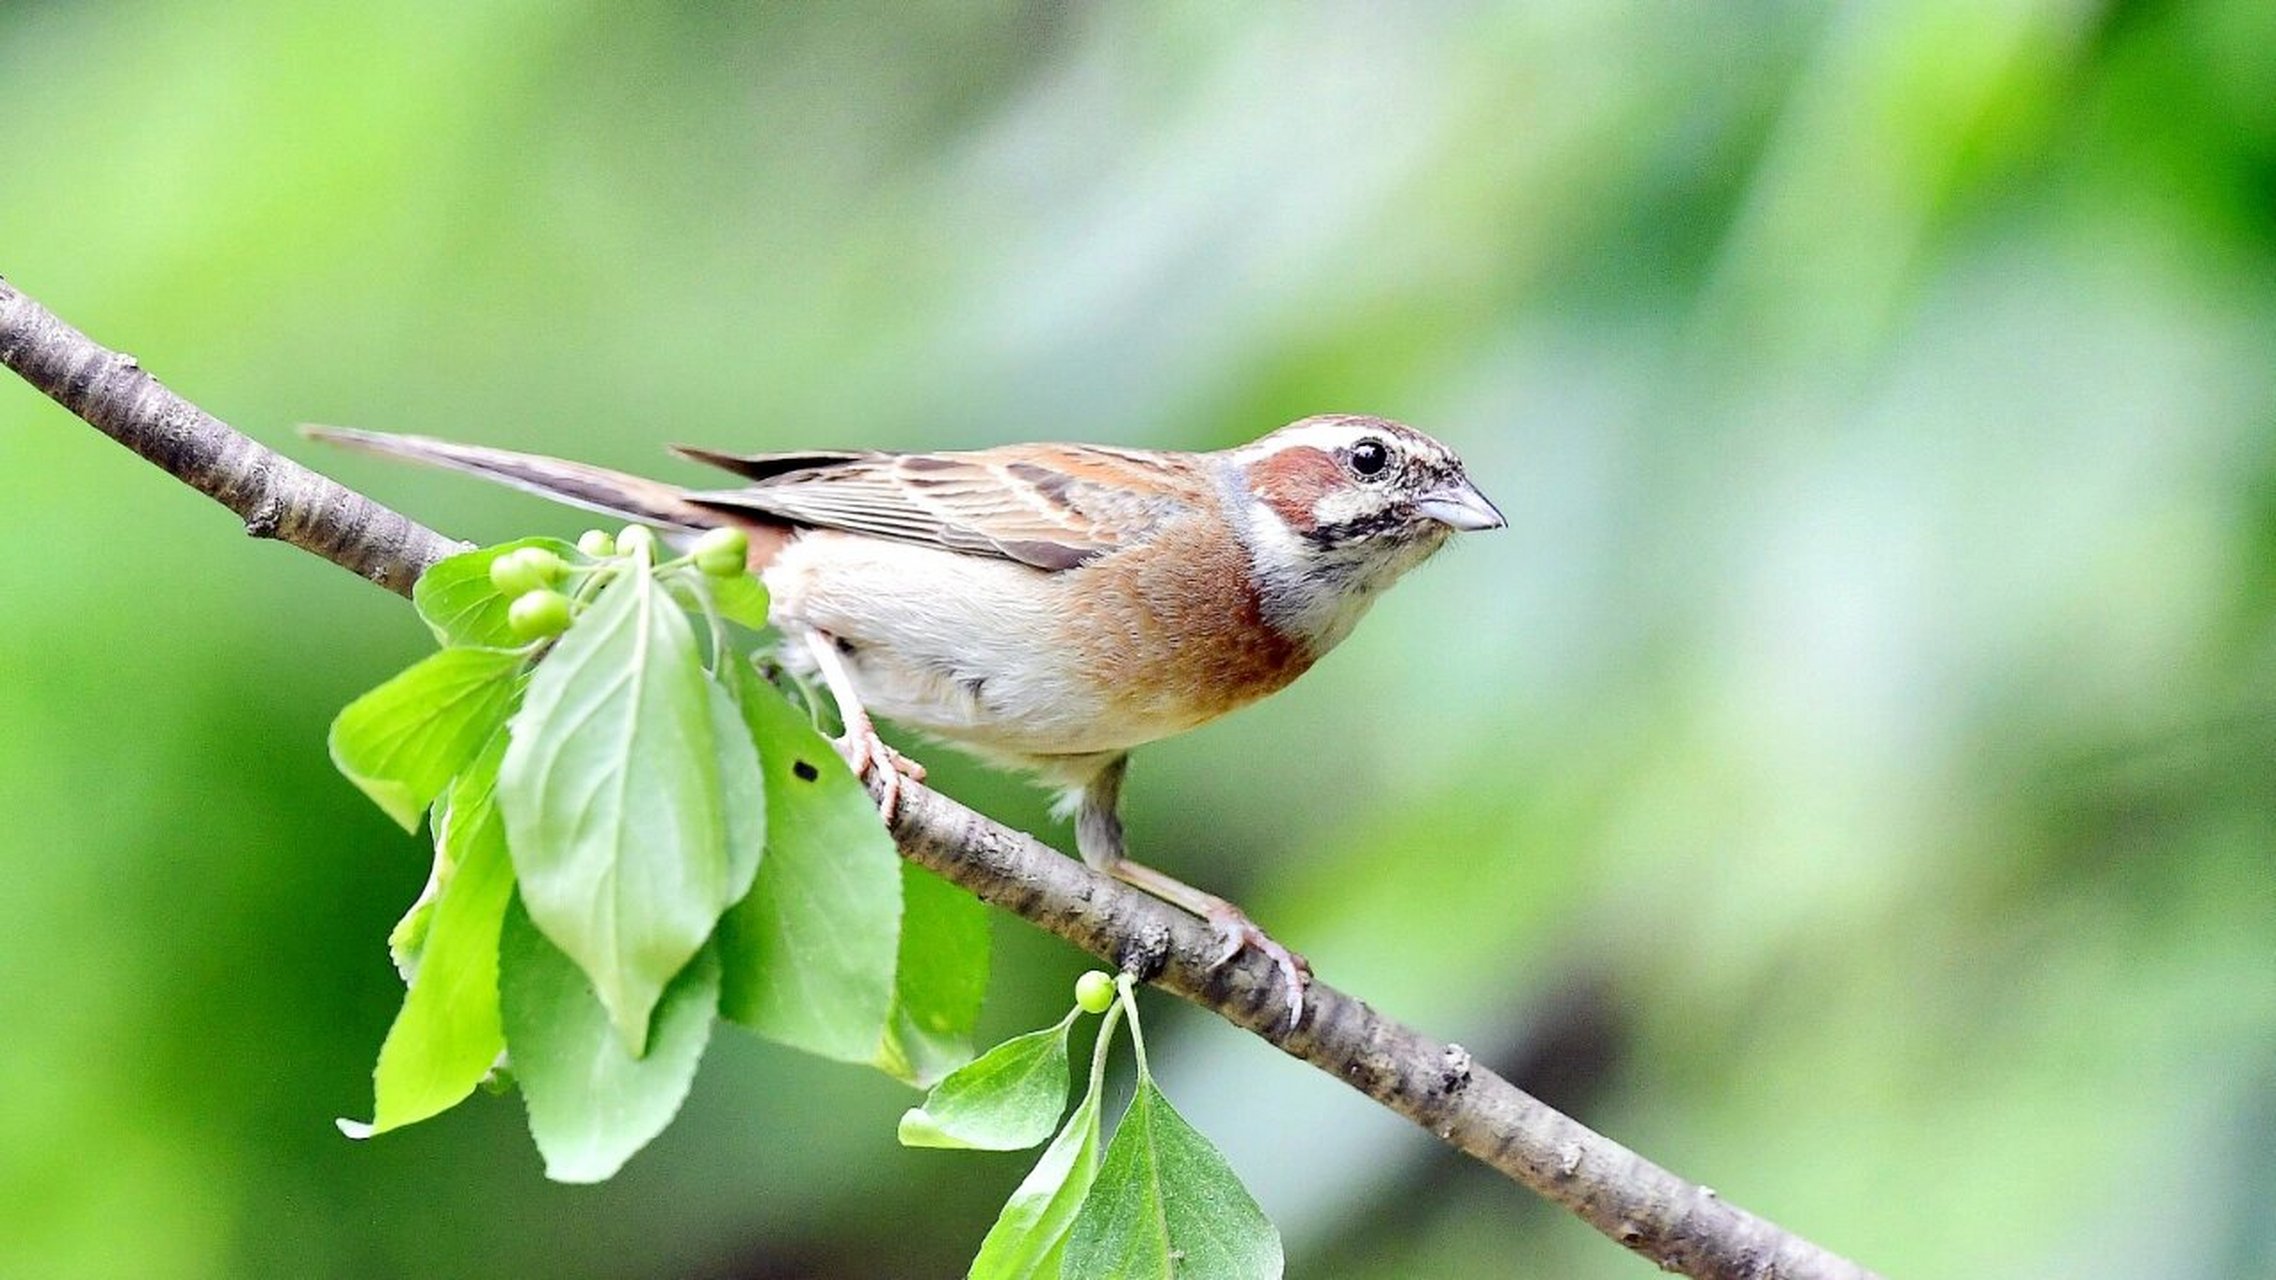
1050,506
766,466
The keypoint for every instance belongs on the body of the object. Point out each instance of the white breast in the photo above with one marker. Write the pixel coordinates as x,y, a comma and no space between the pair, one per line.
959,646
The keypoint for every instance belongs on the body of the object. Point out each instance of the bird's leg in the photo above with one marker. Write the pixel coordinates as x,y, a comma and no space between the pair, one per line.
865,752
1099,838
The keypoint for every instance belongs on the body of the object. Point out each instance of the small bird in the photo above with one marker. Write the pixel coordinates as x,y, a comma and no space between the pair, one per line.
1051,606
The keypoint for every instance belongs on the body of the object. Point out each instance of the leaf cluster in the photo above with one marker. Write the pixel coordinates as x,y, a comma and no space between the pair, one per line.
635,835
1160,1202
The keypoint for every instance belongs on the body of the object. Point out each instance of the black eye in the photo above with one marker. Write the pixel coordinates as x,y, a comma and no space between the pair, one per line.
1369,457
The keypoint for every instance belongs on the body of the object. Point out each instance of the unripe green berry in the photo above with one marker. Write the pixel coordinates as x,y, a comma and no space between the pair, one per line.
544,563
633,537
512,575
525,570
722,553
597,543
535,615
1094,991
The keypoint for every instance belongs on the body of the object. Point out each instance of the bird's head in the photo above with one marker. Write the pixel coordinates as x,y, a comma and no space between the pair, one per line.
1337,507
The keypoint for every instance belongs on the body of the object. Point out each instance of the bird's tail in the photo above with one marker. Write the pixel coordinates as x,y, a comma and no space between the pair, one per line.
578,484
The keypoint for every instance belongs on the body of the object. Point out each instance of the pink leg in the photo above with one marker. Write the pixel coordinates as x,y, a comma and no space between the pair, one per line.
1234,928
865,752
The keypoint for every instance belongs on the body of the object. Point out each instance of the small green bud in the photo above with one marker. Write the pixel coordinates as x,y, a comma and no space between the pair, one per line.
517,572
722,553
546,565
1094,991
633,537
597,543
512,575
536,614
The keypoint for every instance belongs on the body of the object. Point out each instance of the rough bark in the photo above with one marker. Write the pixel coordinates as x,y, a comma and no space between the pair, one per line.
275,496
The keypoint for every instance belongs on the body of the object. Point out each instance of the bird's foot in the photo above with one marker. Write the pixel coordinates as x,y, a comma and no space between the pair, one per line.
878,765
1236,931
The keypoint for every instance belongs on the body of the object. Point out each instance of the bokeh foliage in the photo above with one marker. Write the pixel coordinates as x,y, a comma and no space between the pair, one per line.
1851,780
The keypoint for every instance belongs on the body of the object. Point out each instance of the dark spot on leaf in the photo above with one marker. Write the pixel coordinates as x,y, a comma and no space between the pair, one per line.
805,771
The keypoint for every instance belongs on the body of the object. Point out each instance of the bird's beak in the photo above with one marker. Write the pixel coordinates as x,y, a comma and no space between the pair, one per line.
1460,506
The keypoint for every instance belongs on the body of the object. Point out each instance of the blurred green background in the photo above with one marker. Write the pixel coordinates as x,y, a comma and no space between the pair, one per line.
1851,780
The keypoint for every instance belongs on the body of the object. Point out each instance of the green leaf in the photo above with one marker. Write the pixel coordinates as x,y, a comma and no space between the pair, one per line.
447,1036
634,804
404,741
409,936
741,599
809,954
461,606
591,1103
1006,1099
1028,1235
940,981
1167,1205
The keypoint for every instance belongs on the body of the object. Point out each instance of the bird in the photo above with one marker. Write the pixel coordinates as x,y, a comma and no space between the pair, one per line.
1050,607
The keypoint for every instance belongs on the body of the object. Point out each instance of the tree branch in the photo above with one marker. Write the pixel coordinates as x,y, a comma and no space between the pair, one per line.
275,496
1679,1225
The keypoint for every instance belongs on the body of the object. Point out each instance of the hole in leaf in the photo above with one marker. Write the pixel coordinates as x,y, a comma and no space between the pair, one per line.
805,771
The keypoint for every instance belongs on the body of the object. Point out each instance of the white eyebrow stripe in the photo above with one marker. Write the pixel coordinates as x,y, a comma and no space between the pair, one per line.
1336,436
1329,436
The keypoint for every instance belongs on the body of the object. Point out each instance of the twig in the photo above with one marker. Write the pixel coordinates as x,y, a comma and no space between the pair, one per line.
1681,1226
275,496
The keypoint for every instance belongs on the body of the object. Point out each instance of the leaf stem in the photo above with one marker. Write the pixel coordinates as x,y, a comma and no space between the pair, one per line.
1126,987
1105,1042
720,649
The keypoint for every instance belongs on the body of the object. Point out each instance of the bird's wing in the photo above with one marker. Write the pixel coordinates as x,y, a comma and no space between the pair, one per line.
1051,506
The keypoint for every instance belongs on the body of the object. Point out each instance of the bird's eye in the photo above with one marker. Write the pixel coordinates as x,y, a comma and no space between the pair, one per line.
1369,457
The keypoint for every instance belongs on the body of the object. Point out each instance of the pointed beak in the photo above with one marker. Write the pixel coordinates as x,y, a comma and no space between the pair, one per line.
1460,506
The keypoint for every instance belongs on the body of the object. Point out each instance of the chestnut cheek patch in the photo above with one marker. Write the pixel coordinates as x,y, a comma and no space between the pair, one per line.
1292,482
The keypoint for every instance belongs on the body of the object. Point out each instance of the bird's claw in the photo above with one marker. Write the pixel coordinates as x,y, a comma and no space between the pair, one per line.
1236,931
877,764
